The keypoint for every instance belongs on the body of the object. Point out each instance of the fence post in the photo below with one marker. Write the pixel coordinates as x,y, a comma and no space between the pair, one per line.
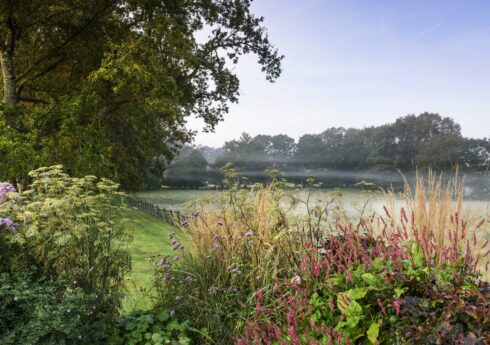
170,216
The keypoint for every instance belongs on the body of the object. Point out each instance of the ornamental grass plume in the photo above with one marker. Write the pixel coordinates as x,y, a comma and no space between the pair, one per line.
433,216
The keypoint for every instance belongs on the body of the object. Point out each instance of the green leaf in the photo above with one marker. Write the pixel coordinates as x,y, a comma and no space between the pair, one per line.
163,316
370,278
418,256
399,291
357,293
373,332
377,264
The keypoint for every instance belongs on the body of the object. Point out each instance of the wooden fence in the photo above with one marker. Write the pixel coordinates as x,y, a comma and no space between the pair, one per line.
172,217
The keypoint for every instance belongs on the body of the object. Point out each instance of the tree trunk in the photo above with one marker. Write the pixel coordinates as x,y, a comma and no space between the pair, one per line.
8,76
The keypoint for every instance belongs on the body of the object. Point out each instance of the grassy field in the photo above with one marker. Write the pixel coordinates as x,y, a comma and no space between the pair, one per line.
352,199
150,239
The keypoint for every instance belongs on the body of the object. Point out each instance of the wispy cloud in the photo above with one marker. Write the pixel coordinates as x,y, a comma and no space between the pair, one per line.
430,29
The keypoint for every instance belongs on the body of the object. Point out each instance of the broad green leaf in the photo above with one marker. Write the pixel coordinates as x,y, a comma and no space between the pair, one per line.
369,278
373,332
356,293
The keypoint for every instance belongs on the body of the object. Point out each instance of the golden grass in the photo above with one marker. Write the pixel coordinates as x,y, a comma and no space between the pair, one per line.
246,228
437,213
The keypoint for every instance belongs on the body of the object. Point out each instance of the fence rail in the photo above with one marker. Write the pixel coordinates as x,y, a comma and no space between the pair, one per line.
172,217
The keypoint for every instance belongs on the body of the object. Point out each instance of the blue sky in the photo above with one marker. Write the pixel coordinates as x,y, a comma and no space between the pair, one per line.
365,62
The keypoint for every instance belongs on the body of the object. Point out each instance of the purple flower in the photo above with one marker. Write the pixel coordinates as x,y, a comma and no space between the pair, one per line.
178,298
188,278
235,270
176,245
171,235
163,262
184,224
172,313
249,234
195,214
216,245
9,224
5,188
239,238
217,237
220,223
177,258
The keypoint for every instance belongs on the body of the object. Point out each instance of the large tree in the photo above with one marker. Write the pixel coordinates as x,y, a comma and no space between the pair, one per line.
104,86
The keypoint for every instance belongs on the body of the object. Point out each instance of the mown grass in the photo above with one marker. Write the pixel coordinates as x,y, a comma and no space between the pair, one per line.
150,239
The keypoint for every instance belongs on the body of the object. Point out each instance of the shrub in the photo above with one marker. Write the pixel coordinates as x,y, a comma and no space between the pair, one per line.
159,326
64,241
38,311
70,229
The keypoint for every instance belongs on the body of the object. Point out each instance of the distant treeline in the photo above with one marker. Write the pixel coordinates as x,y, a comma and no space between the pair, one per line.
337,156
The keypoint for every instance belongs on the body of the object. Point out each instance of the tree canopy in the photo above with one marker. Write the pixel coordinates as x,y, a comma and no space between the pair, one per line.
103,87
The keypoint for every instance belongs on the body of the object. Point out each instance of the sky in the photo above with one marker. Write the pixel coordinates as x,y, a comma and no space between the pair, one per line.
359,63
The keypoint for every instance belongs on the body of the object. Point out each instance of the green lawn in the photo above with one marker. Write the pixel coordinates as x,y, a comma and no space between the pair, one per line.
150,239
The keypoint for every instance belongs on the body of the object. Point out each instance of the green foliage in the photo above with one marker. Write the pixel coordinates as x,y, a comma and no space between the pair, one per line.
383,303
112,83
42,312
158,327
17,152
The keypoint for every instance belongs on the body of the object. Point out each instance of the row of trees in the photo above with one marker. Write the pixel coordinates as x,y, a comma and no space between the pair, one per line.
411,142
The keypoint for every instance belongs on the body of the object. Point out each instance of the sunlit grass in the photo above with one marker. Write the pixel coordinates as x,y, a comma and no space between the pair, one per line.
150,239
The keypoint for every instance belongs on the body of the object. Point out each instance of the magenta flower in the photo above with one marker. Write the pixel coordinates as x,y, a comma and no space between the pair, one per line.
220,223
172,313
249,234
216,245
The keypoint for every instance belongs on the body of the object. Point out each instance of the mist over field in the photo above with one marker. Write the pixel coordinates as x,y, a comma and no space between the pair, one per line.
384,156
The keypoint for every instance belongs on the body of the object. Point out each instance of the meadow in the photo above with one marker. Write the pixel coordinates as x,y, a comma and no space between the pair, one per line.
355,201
